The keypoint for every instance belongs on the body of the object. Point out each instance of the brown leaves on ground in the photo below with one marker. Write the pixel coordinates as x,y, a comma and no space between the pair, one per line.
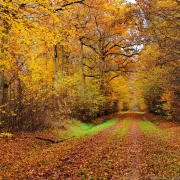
167,125
123,151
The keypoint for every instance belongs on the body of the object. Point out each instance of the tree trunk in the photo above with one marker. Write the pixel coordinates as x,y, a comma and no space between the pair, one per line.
63,61
19,88
82,70
1,93
56,62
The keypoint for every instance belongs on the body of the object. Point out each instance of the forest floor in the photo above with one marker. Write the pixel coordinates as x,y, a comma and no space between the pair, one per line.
129,148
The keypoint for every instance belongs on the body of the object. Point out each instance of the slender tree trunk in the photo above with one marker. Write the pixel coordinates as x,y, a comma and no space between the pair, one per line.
82,70
56,62
1,92
19,87
63,61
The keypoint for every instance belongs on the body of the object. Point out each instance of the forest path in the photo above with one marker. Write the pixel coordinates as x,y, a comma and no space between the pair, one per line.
132,149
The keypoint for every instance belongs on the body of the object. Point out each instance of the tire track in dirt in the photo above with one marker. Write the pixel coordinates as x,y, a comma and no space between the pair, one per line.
78,156
105,156
103,161
131,158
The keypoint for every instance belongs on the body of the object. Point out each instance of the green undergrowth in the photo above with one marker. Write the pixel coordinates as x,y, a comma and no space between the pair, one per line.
164,155
126,124
79,129
123,127
151,129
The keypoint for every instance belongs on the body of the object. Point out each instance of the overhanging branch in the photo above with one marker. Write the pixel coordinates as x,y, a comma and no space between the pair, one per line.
68,4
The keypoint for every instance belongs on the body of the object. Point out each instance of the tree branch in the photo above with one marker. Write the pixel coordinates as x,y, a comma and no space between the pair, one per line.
68,4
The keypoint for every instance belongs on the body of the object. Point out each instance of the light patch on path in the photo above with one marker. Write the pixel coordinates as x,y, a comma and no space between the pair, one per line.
132,144
131,158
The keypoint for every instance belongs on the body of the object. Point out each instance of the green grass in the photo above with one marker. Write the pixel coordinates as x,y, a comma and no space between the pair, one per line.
79,129
98,128
147,126
126,125
123,112
136,112
164,157
82,127
151,129
122,129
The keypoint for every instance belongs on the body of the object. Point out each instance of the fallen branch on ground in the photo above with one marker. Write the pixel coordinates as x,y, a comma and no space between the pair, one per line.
54,141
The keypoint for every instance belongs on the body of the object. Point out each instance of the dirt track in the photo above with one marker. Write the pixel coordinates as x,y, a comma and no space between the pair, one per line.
132,149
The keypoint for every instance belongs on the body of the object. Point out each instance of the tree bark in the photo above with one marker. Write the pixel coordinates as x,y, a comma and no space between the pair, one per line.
56,62
63,61
82,70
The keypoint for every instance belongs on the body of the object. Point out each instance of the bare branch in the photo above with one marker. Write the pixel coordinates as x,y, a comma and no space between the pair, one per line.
68,4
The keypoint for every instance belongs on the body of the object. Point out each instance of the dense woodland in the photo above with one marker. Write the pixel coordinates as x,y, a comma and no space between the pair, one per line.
82,59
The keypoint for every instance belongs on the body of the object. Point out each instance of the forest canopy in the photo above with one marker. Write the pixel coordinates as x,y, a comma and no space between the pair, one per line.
83,59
